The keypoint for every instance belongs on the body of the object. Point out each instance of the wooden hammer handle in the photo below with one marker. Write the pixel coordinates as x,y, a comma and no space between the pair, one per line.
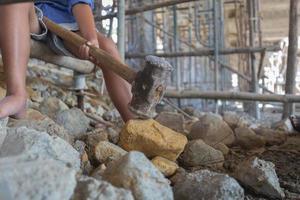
103,58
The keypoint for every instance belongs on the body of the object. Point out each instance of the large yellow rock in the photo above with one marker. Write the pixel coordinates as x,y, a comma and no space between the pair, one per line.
165,166
153,139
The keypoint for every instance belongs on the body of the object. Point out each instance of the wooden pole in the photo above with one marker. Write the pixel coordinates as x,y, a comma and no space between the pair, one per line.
208,52
234,96
292,56
121,28
148,7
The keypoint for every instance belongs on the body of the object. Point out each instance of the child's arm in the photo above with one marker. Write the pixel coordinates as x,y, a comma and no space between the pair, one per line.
85,19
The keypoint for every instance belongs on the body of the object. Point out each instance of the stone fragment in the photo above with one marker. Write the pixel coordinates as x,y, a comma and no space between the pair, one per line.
44,125
259,176
212,130
2,92
73,120
235,120
247,139
153,139
136,173
272,137
171,120
165,166
92,189
205,184
28,144
52,106
106,152
34,115
198,153
113,135
3,130
223,148
35,180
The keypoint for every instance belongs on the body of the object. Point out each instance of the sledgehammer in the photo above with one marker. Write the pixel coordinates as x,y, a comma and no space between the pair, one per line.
148,85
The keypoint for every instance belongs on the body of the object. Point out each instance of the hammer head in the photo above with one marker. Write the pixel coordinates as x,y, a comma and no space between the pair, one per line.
149,86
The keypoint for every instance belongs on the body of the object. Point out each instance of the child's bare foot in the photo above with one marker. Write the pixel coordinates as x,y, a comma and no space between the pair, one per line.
14,106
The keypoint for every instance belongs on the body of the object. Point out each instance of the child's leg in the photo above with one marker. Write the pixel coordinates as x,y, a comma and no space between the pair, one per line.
15,47
118,88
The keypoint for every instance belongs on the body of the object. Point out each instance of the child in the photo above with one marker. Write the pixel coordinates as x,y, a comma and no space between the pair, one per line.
75,15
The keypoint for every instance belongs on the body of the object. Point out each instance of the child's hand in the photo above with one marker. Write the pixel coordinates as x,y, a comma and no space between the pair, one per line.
84,50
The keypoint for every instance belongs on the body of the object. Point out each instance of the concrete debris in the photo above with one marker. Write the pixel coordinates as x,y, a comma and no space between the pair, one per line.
91,189
260,176
167,167
34,180
73,120
198,153
205,184
153,139
171,120
136,173
212,130
247,139
27,144
272,137
52,106
106,152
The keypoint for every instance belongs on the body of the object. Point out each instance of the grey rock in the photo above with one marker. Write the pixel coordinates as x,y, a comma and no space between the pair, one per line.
91,189
260,176
27,144
136,173
52,106
45,125
171,120
79,146
113,135
106,152
74,120
205,184
247,139
212,130
3,130
36,180
111,115
198,153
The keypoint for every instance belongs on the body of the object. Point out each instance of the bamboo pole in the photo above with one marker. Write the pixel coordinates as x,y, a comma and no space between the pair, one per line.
242,96
208,52
148,7
292,56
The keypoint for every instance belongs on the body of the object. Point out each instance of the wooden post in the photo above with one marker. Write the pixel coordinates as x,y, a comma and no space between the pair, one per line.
121,28
292,56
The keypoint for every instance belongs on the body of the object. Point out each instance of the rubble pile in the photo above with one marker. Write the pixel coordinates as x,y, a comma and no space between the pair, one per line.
60,152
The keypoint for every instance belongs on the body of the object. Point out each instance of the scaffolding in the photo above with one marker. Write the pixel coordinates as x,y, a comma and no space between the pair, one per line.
191,34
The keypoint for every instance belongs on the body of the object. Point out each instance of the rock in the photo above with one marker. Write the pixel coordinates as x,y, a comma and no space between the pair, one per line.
3,130
167,167
171,120
34,95
113,135
136,173
235,120
27,144
92,189
73,120
272,137
212,130
153,139
35,180
99,171
2,92
259,176
34,115
247,139
223,148
52,106
106,152
44,125
111,115
284,125
205,184
198,153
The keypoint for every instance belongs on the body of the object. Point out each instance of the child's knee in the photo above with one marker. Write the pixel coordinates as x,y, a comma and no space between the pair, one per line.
107,44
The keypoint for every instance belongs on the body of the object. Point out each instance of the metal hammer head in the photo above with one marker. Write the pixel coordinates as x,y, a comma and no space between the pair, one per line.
149,86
